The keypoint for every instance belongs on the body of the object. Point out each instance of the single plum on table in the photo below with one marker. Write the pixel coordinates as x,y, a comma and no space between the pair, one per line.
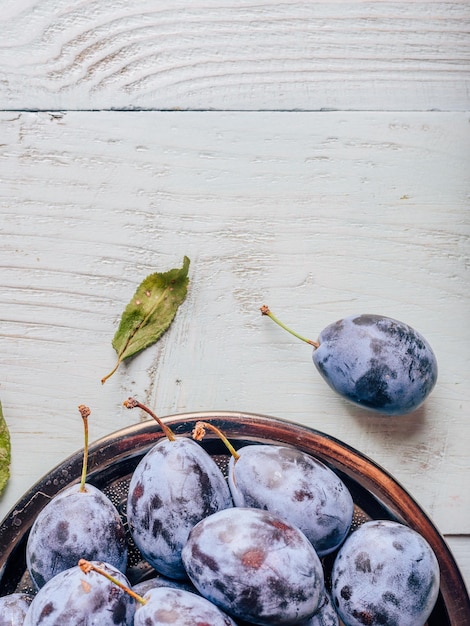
255,566
385,573
374,361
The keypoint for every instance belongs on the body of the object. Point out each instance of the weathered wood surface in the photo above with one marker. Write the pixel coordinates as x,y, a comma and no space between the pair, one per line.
317,215
250,55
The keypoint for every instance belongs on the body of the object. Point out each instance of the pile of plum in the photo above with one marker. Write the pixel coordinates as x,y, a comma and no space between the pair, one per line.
243,548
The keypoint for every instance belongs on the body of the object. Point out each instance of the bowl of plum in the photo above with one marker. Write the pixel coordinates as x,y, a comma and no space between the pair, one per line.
302,529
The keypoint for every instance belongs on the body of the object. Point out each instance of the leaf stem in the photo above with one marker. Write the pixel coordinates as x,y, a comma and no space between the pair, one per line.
266,311
85,413
199,433
87,567
132,403
105,378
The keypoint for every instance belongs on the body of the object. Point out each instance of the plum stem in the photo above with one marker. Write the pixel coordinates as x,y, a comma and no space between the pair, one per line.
265,310
132,403
200,431
85,413
88,567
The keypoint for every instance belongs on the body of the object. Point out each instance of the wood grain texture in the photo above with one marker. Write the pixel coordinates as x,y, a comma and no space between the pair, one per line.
319,215
244,55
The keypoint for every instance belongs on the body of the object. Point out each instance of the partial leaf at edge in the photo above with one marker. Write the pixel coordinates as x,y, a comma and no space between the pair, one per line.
151,311
5,452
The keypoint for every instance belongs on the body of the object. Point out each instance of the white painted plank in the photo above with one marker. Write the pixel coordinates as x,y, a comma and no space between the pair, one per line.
460,548
317,215
249,55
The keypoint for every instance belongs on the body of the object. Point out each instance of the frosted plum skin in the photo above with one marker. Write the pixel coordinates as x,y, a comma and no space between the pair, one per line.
296,487
75,525
174,486
377,362
326,615
255,566
13,608
173,606
385,573
72,598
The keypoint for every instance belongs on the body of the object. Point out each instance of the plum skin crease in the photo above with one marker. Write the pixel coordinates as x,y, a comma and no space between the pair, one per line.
376,362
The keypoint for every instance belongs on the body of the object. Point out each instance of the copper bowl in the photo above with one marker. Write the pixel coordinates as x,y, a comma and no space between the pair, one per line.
112,460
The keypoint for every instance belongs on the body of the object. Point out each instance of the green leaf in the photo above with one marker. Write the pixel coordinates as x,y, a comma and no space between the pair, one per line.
5,452
150,312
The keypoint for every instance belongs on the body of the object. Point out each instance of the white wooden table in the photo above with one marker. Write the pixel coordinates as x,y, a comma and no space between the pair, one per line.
311,156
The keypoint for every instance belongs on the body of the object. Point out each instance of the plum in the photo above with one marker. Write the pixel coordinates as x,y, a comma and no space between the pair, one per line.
75,524
385,573
161,581
80,521
374,361
165,606
295,486
72,598
175,485
13,608
325,615
255,566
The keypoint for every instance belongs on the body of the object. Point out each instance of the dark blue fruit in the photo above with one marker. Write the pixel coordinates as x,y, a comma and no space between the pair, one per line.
13,608
73,598
385,573
254,566
72,525
326,615
175,485
162,581
296,487
165,606
374,361
377,362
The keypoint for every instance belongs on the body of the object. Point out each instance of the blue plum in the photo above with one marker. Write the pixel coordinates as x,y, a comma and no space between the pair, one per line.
165,606
326,615
385,573
175,485
72,598
72,525
296,487
254,566
374,361
13,608
161,581
377,362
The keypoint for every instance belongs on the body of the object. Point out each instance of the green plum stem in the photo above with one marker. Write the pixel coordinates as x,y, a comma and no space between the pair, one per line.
88,567
266,311
132,403
200,431
85,413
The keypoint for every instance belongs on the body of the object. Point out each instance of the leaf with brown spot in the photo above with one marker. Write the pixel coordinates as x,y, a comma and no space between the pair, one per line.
150,312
